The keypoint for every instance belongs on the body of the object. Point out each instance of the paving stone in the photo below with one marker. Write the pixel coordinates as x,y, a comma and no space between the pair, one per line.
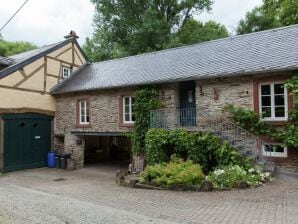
276,202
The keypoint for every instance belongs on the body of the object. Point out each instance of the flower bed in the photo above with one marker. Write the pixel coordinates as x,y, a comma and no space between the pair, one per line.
188,176
232,176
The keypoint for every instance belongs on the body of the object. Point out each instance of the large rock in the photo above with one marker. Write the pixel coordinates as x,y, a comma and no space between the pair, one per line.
206,186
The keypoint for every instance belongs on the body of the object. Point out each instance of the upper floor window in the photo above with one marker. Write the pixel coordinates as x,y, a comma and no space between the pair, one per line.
65,72
84,112
128,109
273,101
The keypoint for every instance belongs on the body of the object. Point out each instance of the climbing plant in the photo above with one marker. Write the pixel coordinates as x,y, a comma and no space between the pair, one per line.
203,148
146,100
252,121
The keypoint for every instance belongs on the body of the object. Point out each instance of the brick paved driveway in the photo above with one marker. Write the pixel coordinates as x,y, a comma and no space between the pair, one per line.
90,196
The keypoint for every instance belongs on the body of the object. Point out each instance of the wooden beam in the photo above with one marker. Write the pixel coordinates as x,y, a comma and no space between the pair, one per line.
79,56
60,73
53,76
23,73
57,56
72,53
65,62
45,71
29,76
23,89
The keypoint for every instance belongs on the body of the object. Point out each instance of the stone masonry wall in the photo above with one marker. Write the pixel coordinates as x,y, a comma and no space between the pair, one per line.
104,110
237,91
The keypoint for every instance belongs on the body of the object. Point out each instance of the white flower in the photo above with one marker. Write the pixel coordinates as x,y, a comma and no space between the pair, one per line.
251,170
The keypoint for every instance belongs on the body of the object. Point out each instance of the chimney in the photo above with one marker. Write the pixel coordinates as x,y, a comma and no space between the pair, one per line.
72,34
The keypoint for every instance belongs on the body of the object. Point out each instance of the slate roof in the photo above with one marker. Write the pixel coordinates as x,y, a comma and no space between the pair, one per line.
266,51
6,61
25,58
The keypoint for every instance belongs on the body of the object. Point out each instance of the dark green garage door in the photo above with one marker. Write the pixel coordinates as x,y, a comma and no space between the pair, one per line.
27,140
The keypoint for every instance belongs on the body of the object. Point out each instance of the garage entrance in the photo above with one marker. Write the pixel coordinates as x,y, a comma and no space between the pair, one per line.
107,149
27,140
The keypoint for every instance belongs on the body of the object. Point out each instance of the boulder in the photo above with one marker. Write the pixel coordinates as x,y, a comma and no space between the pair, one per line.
206,186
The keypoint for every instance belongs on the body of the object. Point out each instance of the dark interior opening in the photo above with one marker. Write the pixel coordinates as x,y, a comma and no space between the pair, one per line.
102,149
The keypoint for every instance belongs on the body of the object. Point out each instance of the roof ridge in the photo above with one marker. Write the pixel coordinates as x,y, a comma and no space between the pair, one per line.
38,48
196,44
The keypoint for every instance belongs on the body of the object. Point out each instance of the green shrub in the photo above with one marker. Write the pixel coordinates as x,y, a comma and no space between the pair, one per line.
205,149
174,172
230,176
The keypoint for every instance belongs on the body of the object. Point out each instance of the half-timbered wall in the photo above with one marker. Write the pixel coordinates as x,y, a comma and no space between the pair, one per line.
28,89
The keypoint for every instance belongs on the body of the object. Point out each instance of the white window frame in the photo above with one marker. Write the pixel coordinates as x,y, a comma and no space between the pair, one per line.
86,112
130,121
273,118
64,68
275,154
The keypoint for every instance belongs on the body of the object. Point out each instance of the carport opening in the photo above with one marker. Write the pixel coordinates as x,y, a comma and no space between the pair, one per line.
107,149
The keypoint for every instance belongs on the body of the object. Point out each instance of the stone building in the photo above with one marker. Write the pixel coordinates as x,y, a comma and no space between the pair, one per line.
94,107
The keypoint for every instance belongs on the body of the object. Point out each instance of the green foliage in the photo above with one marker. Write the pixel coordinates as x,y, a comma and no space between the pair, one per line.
202,148
128,27
146,100
230,176
194,31
248,120
175,172
252,122
271,14
284,11
8,48
255,21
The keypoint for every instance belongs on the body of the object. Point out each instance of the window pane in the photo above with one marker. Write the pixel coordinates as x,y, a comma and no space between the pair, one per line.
126,110
82,119
126,101
279,100
127,117
265,89
274,148
87,118
278,148
133,117
266,111
268,148
279,112
266,101
132,100
278,88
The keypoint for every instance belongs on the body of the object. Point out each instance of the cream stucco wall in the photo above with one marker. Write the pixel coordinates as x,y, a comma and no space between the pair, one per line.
30,86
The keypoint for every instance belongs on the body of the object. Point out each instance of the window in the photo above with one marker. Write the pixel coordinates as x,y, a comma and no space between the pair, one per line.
274,150
128,109
84,112
273,101
65,72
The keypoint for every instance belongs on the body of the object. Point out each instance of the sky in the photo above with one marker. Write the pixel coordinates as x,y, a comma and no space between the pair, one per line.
45,22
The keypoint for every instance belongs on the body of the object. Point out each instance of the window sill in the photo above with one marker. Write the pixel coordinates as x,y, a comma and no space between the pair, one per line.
275,119
83,126
128,125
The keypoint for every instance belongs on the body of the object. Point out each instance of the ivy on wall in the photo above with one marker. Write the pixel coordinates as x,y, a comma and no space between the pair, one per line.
146,100
205,149
252,122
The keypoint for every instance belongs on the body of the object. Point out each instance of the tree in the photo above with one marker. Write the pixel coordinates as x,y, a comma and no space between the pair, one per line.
285,11
196,32
8,48
255,21
271,14
129,27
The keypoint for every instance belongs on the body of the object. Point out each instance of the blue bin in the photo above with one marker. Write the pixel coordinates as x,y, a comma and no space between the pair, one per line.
51,160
